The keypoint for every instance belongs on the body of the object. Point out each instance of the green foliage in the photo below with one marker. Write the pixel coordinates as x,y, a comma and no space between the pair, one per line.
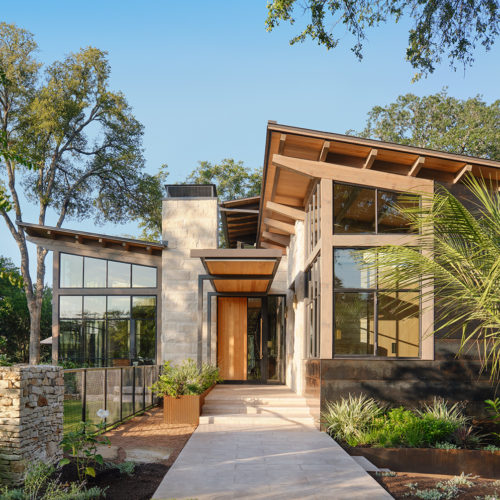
492,448
466,436
440,410
81,444
457,253
185,379
127,468
14,315
40,485
440,29
438,121
444,491
350,418
493,408
446,446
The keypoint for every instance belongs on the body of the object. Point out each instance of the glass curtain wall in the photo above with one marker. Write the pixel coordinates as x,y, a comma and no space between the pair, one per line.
313,309
107,330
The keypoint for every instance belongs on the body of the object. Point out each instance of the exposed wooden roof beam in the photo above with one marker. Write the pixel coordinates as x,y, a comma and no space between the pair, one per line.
281,147
125,245
417,165
265,244
277,238
239,210
324,151
285,210
78,238
461,173
282,226
370,158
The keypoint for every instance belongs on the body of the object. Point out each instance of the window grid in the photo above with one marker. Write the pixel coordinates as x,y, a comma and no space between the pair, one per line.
313,220
313,309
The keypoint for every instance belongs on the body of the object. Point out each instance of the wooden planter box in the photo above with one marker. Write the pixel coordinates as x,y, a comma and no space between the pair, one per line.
433,460
184,410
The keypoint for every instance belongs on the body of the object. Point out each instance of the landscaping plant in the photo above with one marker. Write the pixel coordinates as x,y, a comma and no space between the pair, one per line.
185,379
81,444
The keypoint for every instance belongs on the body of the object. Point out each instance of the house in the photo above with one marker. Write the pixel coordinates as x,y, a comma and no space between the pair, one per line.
285,302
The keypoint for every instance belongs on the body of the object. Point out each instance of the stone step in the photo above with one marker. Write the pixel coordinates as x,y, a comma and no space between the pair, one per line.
250,419
287,401
249,410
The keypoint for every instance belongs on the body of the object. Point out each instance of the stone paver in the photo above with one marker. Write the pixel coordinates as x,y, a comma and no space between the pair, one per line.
272,459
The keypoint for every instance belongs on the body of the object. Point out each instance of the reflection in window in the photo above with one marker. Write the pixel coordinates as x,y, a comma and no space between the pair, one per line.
368,210
354,209
70,341
118,274
313,309
119,339
94,306
70,306
354,323
360,299
398,324
145,339
71,271
95,342
143,276
119,306
144,307
94,273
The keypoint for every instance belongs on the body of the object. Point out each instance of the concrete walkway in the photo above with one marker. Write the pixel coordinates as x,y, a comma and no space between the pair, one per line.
257,442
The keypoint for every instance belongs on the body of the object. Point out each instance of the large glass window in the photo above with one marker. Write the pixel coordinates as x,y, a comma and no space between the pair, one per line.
107,330
370,319
313,219
359,209
77,271
94,273
71,271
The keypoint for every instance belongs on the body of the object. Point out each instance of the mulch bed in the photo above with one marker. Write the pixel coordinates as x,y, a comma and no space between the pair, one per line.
396,485
140,486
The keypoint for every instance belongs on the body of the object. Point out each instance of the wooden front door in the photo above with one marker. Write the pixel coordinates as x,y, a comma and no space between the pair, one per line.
232,337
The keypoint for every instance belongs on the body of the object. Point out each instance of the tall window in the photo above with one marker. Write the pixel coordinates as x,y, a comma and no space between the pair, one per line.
370,320
97,330
313,311
77,271
358,209
313,220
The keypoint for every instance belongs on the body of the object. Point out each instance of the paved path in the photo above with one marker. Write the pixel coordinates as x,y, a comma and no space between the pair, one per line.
251,454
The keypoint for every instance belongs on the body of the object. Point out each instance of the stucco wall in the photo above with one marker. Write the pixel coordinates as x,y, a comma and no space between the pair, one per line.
187,223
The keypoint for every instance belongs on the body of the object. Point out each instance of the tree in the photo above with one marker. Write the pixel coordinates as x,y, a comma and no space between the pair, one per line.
458,252
441,28
83,143
14,314
232,179
438,121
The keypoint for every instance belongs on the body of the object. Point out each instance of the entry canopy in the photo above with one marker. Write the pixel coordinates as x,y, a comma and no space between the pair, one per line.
240,271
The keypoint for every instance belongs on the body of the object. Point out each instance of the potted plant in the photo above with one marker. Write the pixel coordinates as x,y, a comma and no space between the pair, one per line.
184,388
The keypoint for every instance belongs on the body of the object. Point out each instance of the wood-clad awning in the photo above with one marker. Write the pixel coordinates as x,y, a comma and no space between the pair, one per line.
239,220
296,158
52,237
240,271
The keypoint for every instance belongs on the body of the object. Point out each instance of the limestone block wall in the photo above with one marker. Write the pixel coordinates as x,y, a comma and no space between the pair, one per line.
187,223
31,418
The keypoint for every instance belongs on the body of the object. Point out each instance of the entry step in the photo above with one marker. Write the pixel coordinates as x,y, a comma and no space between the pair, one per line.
241,418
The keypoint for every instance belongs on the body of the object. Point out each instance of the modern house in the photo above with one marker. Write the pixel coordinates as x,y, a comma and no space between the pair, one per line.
285,302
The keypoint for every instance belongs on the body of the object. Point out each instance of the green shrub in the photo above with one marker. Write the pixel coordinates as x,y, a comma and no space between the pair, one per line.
349,419
440,410
185,379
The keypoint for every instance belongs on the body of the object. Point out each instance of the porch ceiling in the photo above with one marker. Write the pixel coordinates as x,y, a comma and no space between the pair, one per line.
240,271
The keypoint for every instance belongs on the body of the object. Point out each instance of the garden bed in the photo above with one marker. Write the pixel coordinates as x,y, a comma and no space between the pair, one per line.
397,485
433,460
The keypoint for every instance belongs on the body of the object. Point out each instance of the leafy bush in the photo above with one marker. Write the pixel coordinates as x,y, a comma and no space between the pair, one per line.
185,379
349,419
466,437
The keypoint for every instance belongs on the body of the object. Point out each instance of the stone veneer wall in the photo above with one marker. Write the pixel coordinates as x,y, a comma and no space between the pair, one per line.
31,418
188,223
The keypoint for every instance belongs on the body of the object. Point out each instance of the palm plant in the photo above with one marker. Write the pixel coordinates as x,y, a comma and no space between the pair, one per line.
456,263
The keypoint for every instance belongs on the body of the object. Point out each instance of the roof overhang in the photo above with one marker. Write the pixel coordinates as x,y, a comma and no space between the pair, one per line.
240,271
49,237
239,220
296,158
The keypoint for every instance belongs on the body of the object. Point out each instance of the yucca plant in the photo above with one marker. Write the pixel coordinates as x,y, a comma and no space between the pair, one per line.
350,418
456,262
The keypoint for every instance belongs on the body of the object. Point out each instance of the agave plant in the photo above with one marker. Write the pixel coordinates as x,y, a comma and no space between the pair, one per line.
456,263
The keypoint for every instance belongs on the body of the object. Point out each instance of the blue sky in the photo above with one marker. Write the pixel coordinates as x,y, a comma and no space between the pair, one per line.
204,77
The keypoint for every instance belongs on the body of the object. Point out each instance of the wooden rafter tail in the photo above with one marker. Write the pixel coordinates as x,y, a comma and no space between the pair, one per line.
324,151
281,147
280,225
461,173
280,239
370,158
272,246
292,213
417,165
